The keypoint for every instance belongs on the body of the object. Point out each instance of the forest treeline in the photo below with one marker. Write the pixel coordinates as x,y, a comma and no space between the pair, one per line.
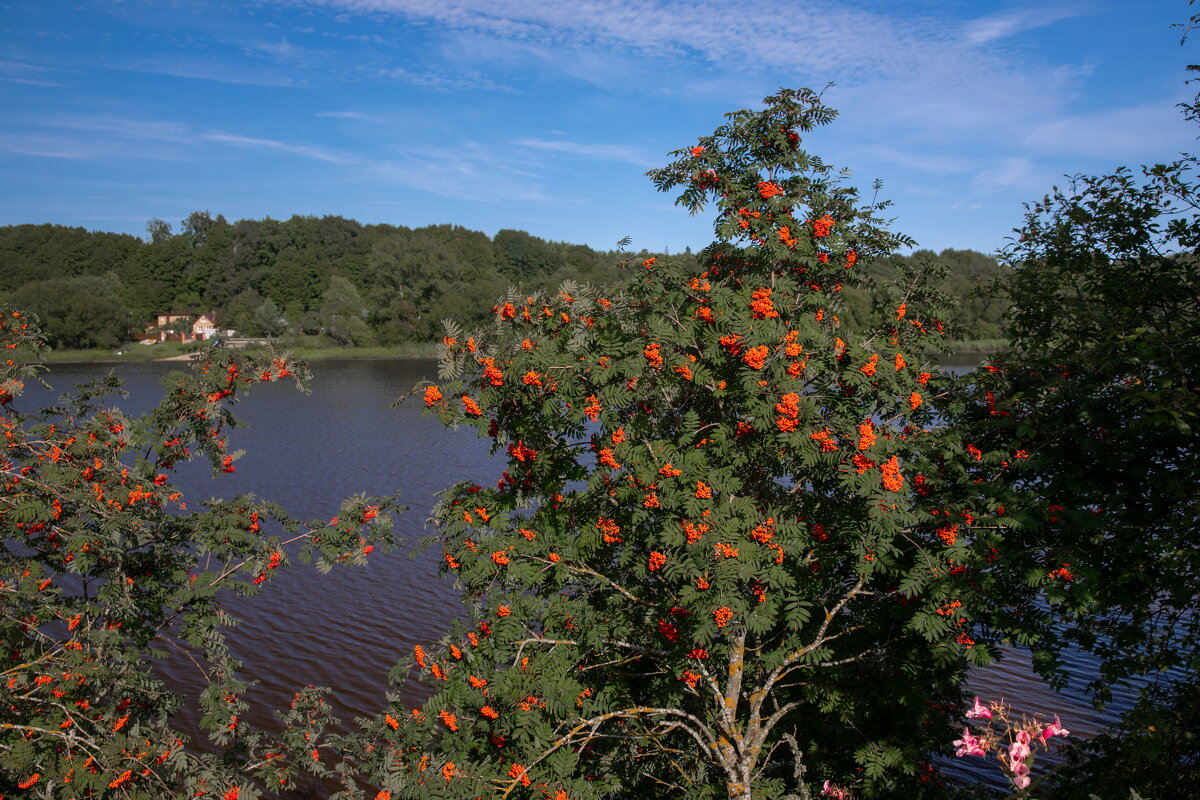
349,283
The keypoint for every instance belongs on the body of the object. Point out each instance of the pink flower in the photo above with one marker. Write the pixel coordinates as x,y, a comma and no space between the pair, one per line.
968,745
834,791
1018,751
979,710
1020,771
1054,729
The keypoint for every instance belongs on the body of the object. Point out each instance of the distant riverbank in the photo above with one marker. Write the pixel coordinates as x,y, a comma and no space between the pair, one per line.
954,352
173,351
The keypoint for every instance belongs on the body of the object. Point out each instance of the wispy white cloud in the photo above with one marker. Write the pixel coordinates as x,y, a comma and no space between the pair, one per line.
1014,173
808,34
602,152
467,170
607,68
935,75
306,151
925,162
100,136
112,136
460,175
45,147
25,74
124,127
443,82
372,38
969,206
291,60
342,114
220,71
281,50
27,81
1010,23
970,100
1137,132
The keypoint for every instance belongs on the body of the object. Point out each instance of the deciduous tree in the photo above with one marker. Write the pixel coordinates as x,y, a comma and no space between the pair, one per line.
732,554
103,563
1098,407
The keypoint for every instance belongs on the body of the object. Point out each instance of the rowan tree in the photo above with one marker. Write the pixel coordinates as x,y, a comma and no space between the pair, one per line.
104,566
732,554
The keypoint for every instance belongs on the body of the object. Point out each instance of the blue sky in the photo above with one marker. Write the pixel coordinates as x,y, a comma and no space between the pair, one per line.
545,115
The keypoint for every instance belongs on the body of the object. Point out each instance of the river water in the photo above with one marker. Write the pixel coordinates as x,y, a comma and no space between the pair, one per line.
347,629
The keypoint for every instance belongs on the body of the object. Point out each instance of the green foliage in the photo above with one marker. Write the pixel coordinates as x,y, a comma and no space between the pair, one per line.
104,565
728,527
408,280
267,319
343,313
41,252
974,310
83,311
1098,406
1154,750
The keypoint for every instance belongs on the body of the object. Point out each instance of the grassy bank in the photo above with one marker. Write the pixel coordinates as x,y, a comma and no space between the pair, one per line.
976,346
314,348
127,353
967,352
308,351
981,347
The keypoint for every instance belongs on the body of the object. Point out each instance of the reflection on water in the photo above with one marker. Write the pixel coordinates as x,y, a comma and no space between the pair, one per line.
348,629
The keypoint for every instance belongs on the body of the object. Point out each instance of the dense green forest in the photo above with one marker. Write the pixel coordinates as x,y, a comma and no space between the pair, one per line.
346,283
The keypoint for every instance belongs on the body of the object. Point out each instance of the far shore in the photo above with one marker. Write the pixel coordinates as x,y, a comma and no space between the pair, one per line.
969,353
135,353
